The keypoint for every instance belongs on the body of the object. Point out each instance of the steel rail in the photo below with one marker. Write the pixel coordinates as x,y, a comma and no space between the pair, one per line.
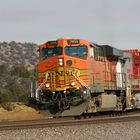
63,122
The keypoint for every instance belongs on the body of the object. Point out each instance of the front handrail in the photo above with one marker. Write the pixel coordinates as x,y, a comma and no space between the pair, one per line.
40,86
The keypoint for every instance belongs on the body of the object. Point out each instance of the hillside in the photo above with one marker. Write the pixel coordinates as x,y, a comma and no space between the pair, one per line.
17,70
18,54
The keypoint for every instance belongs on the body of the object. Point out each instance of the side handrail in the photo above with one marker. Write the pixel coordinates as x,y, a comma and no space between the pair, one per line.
39,87
81,82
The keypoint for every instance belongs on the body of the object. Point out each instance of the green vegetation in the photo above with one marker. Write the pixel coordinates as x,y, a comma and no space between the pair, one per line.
14,84
3,69
20,72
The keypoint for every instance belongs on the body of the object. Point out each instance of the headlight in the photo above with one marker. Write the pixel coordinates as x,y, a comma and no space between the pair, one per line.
73,84
85,92
61,62
47,85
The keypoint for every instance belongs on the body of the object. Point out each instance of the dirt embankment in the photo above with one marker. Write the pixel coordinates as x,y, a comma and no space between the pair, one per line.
18,111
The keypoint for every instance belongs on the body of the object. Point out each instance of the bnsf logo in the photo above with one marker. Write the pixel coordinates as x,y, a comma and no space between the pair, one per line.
61,73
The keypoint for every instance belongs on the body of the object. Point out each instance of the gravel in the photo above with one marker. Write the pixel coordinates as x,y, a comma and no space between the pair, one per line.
107,131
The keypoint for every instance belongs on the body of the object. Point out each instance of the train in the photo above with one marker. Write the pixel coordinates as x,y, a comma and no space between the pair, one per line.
76,76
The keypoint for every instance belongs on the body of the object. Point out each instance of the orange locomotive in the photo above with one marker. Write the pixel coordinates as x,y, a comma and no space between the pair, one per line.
76,76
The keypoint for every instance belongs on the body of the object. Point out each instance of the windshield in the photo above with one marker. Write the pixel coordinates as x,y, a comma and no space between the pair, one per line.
76,51
51,52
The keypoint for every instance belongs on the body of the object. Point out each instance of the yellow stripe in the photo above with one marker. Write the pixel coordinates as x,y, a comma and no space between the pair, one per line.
61,72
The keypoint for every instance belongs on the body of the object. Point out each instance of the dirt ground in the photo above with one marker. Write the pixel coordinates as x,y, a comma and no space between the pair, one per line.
19,111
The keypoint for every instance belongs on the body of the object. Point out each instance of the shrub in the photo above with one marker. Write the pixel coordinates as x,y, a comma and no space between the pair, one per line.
3,69
20,71
15,83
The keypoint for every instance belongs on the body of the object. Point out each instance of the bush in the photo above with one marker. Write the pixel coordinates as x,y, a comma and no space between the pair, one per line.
3,69
20,72
13,93
15,84
17,93
4,95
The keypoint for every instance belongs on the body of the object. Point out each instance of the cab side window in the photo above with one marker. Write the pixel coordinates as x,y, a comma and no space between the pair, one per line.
99,54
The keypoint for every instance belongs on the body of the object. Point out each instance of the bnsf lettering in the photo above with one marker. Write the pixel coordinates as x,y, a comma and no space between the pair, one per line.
61,73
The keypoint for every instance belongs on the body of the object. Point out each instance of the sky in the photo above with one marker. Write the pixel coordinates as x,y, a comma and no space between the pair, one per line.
112,22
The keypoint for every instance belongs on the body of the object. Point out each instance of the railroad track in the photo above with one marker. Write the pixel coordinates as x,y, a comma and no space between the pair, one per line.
65,122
